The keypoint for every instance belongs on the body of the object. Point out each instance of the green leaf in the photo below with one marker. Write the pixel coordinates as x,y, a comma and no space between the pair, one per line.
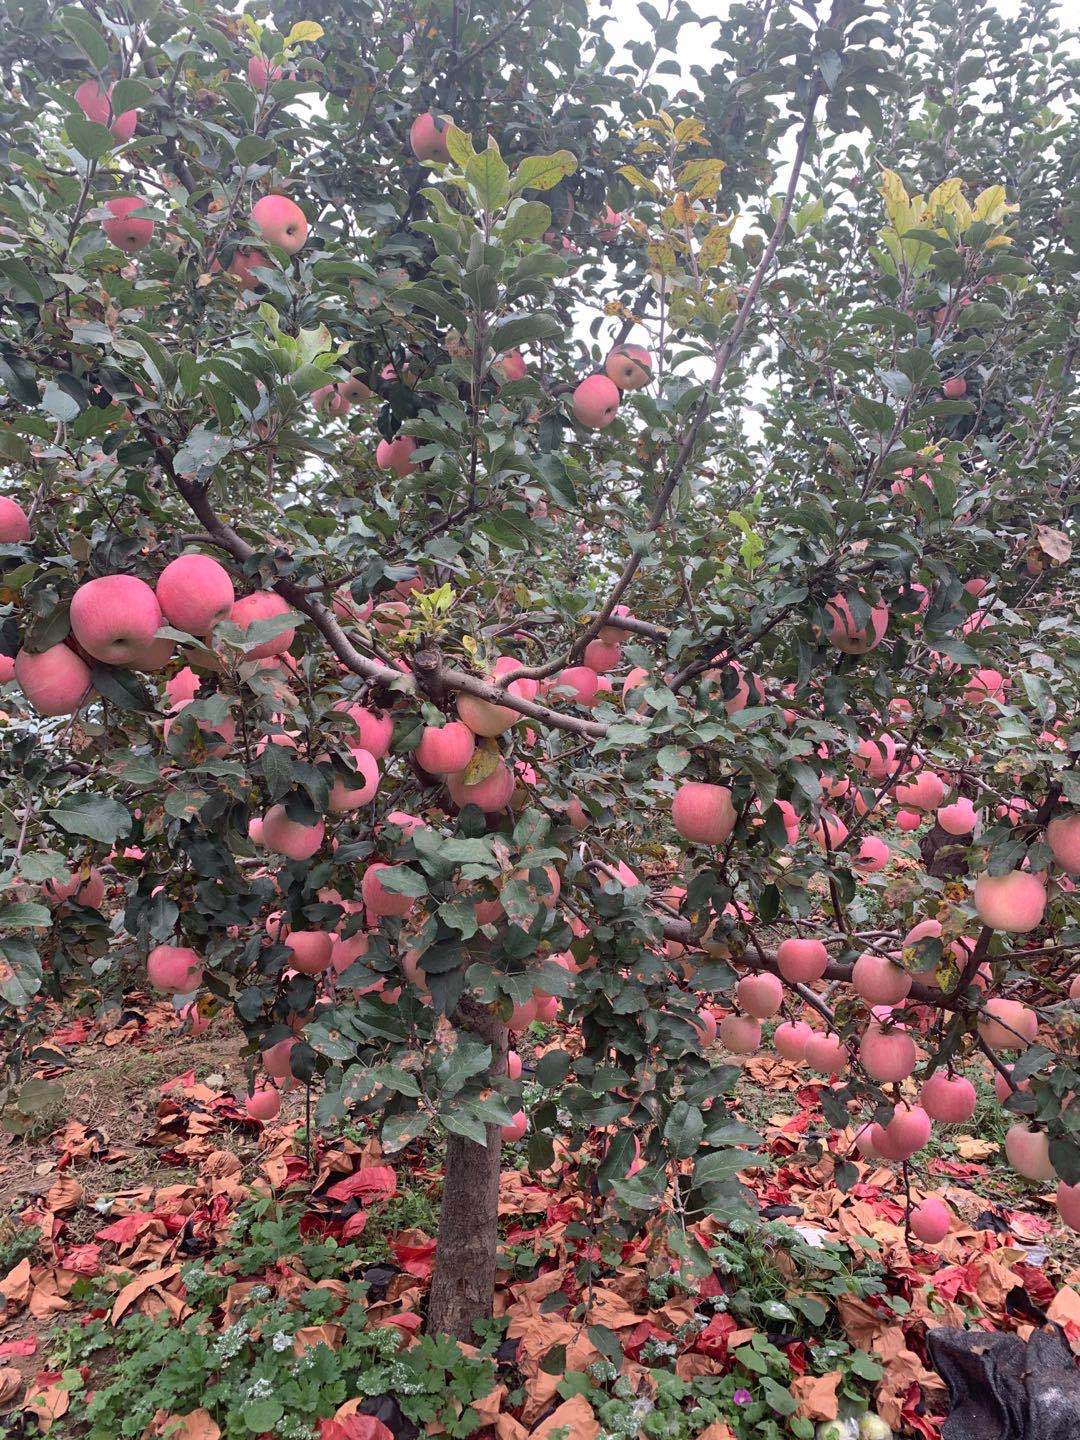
254,148
543,172
129,94
90,139
721,1165
25,915
466,1124
98,817
277,767
122,688
865,1366
489,176
683,1130
519,329
58,402
809,214
260,1415
87,37
525,220
459,144
402,881
20,977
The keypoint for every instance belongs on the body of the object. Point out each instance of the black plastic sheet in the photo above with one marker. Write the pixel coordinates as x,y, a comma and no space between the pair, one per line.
1003,1388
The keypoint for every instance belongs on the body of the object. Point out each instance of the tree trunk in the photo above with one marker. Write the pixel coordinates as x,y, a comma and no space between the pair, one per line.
463,1284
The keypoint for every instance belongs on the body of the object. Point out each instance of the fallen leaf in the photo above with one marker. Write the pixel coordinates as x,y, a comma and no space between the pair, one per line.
135,1288
197,1425
816,1395
10,1384
15,1286
574,1417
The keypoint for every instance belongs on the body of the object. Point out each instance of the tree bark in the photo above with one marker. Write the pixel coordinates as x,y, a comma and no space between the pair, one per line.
463,1284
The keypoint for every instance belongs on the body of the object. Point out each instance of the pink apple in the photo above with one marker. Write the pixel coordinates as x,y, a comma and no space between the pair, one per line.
194,593
183,686
1013,902
346,796
483,717
879,980
427,138
277,1059
175,968
844,635
14,524
262,605
446,750
703,812
873,855
262,74
281,222
596,402
245,261
887,1053
791,1038
396,455
949,1099
516,1129
312,950
264,1103
931,1220
1063,837
629,366
114,617
379,900
374,729
760,995
289,837
87,890
490,794
54,681
580,682
96,105
127,231
801,961
959,818
826,1053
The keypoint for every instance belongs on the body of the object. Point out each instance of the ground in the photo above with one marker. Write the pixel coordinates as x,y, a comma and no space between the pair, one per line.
142,1216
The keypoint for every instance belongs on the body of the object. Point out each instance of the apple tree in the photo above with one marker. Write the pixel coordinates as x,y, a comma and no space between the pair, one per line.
502,526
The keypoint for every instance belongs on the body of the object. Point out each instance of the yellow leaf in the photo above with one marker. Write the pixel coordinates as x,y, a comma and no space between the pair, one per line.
714,248
943,196
483,763
304,30
661,256
897,205
701,177
689,129
990,206
682,209
634,175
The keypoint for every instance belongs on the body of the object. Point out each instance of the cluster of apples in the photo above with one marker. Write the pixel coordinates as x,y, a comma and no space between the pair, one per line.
596,399
1013,903
115,619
